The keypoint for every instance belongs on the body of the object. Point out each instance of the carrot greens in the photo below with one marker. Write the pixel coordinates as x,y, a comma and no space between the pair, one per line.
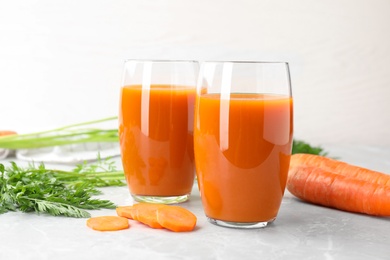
300,146
56,192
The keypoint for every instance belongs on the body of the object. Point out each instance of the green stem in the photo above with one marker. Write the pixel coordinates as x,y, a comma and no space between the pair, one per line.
116,176
74,138
61,136
71,126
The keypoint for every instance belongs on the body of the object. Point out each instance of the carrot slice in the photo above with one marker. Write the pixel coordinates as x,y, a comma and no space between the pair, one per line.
160,216
147,214
126,212
130,212
108,223
175,218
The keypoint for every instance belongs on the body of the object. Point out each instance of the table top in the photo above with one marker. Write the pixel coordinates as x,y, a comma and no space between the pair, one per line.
301,230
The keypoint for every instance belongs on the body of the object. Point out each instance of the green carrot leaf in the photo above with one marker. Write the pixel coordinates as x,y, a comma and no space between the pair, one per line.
55,192
300,146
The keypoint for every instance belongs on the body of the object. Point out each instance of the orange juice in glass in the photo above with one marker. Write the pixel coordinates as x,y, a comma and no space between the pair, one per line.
243,138
156,129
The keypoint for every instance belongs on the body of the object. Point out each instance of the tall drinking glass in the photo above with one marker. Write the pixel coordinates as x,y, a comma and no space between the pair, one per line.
243,136
156,129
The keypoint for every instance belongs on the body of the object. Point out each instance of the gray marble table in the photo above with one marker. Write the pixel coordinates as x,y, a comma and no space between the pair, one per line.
301,231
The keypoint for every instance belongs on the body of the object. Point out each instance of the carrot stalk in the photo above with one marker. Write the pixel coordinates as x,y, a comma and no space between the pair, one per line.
323,187
108,223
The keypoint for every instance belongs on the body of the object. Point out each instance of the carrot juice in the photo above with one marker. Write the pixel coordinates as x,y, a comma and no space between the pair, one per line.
242,150
156,139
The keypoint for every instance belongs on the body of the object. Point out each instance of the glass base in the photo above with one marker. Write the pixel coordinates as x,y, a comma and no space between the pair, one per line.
161,199
242,225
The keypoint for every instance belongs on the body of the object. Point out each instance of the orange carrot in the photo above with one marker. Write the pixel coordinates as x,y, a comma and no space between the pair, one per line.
339,167
7,132
126,212
176,218
323,187
108,223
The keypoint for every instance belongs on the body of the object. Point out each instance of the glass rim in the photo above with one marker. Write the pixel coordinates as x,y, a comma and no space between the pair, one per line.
206,61
245,62
161,60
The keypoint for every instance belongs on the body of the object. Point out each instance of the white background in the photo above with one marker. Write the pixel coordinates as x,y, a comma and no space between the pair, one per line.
61,61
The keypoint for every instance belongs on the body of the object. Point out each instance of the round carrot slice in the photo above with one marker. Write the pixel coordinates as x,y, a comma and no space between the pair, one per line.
175,218
108,223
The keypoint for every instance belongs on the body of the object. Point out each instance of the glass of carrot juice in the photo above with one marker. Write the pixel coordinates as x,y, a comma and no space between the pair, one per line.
243,134
156,129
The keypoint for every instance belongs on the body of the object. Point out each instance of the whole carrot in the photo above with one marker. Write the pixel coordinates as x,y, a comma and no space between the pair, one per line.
339,167
323,187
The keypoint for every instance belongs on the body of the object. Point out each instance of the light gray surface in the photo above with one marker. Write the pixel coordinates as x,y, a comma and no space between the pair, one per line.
301,231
